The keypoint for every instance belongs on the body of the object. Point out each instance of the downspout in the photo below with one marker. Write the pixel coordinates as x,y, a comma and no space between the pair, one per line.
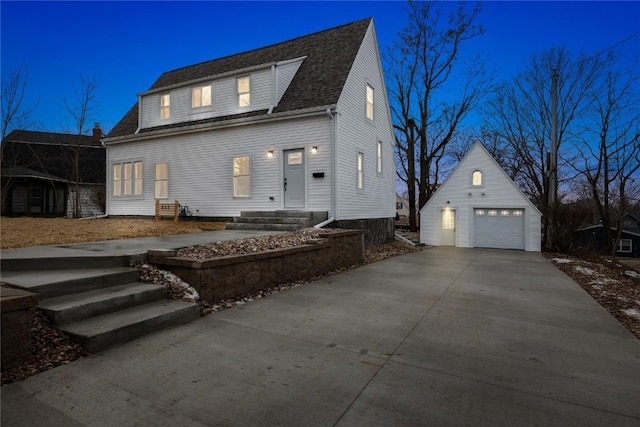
333,115
274,82
139,115
106,194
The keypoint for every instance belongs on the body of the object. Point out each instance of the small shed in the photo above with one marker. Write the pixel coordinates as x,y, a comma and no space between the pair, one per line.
479,206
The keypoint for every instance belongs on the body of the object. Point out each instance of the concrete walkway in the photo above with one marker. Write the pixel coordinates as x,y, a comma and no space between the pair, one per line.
443,337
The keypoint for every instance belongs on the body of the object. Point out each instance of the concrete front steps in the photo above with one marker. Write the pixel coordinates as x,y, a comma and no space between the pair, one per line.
100,306
281,220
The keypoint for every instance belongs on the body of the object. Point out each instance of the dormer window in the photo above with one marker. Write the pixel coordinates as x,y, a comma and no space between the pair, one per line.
165,106
476,178
244,91
369,102
201,96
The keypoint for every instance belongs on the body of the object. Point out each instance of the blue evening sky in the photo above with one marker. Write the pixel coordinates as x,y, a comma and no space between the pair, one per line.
127,45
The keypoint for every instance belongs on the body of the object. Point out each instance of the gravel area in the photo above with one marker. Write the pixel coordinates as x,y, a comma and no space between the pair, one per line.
615,286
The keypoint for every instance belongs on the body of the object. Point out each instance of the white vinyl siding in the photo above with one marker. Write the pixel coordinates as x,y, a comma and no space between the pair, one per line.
356,133
212,192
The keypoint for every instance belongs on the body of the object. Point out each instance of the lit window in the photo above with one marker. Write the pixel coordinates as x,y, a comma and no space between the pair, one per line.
480,212
127,179
624,245
517,212
360,172
162,181
492,212
165,106
117,180
379,164
476,178
504,212
241,176
201,96
448,220
369,102
244,91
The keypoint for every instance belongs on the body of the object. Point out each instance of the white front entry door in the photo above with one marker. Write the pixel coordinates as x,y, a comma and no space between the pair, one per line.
448,227
294,183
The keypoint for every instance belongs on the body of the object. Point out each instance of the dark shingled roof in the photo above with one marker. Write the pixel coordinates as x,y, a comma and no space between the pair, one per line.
319,81
50,155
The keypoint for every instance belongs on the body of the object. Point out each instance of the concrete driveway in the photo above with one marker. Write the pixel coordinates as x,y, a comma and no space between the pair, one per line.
442,337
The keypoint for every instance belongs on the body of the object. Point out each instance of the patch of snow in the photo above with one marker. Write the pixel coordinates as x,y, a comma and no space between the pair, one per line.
631,312
562,261
586,271
632,273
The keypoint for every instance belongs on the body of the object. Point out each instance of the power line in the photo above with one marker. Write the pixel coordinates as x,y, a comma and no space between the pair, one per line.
626,39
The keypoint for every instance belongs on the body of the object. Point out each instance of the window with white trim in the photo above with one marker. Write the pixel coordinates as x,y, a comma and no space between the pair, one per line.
492,212
476,178
379,159
165,106
201,96
624,246
517,212
360,172
243,85
241,176
480,212
370,97
162,180
127,179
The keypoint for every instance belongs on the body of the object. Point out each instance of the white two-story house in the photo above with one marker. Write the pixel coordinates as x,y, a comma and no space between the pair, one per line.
299,125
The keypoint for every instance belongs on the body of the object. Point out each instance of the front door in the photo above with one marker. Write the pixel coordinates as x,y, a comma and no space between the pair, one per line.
294,185
448,227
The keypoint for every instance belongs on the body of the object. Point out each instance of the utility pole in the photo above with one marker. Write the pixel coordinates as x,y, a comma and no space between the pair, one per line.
553,161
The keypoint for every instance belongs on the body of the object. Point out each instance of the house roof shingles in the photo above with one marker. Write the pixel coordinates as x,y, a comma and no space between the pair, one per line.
319,81
50,155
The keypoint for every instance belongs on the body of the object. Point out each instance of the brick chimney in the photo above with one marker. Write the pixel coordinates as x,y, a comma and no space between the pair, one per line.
97,132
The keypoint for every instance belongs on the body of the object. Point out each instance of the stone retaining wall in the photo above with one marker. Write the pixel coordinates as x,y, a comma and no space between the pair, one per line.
16,334
376,230
239,275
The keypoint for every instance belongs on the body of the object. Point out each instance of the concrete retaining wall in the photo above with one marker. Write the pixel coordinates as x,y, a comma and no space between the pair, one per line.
238,275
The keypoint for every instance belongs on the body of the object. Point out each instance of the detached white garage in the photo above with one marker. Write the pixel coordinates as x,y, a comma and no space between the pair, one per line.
479,206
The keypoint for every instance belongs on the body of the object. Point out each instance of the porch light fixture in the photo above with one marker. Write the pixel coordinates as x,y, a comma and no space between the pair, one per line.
314,149
270,153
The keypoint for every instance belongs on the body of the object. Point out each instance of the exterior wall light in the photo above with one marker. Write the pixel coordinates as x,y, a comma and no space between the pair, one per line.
270,153
314,149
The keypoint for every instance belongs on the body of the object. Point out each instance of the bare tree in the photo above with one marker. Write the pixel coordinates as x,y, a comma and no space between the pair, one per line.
609,146
81,110
520,111
431,92
15,114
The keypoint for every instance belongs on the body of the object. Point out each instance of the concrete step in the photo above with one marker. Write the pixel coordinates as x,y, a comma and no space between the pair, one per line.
280,214
54,283
71,308
268,227
98,333
270,220
62,263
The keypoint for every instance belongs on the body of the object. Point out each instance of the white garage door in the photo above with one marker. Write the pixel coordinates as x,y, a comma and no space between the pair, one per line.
498,228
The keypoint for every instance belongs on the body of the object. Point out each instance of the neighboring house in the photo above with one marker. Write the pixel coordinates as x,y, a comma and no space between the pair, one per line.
593,237
37,173
299,125
478,205
402,207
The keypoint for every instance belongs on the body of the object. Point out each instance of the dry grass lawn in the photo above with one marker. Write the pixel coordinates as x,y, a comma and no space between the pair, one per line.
24,231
